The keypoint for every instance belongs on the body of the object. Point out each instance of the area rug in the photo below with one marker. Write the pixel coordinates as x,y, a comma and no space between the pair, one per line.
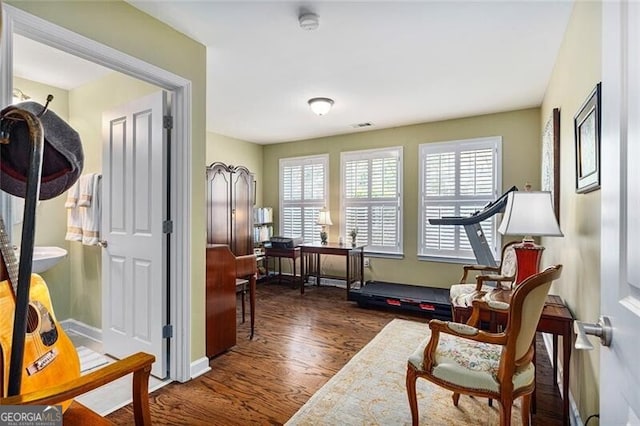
370,389
90,359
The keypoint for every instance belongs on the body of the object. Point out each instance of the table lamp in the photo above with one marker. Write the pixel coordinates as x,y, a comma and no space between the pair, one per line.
529,213
324,219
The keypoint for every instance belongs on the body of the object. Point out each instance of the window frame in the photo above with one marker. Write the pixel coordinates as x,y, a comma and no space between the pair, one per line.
457,146
396,151
302,161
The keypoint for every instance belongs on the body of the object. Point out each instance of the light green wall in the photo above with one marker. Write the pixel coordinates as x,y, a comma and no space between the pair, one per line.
520,131
125,28
238,153
50,211
86,105
575,75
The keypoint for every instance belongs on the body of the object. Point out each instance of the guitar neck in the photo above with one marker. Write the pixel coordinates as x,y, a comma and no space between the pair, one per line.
9,256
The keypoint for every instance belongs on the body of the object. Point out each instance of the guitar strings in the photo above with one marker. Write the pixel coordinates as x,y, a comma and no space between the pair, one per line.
11,264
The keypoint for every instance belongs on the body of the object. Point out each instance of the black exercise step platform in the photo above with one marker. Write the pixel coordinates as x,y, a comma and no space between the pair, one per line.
427,300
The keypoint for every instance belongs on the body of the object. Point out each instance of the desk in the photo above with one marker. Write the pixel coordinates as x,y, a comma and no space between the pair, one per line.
556,319
354,261
279,253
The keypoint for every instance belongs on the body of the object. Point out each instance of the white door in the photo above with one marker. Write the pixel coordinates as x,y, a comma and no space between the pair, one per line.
620,250
134,302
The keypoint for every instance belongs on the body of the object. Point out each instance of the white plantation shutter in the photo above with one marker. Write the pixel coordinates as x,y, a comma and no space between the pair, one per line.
303,192
371,198
458,178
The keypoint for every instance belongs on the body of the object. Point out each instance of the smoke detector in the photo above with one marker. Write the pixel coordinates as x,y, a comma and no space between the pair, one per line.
308,21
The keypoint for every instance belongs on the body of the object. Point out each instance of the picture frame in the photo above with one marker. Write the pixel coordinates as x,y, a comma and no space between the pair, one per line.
550,179
587,143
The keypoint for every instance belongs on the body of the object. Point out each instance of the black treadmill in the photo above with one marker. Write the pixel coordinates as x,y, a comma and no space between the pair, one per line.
474,231
430,300
433,302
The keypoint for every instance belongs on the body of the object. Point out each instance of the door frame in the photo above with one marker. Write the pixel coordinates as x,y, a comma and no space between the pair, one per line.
18,21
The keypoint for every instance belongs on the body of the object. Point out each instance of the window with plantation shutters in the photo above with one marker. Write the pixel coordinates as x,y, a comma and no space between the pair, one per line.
303,192
457,178
371,199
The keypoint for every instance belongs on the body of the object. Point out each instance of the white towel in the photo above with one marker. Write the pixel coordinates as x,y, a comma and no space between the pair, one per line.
91,216
72,196
74,220
86,183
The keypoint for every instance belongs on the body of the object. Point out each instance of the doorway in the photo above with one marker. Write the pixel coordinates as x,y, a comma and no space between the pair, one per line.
18,22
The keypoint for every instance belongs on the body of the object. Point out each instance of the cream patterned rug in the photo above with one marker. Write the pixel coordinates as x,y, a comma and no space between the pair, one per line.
370,389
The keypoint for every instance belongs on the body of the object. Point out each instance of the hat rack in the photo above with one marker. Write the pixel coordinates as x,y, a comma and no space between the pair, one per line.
8,117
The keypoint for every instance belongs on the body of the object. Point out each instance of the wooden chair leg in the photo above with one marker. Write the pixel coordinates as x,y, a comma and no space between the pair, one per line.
525,410
411,393
505,411
140,390
456,398
244,293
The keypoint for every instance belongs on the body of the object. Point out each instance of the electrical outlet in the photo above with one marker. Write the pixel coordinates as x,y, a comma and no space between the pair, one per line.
367,263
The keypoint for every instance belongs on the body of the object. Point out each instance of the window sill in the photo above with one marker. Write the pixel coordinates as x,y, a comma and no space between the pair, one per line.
446,259
383,255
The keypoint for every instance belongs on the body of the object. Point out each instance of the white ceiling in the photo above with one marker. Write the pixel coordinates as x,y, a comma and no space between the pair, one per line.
384,62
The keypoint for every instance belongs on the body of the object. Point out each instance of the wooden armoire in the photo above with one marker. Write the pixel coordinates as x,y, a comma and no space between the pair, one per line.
229,227
230,197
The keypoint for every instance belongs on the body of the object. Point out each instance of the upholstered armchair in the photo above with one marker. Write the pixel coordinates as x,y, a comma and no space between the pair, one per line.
504,275
500,366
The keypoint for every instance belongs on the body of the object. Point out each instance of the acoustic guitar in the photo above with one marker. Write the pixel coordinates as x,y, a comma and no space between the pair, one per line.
49,355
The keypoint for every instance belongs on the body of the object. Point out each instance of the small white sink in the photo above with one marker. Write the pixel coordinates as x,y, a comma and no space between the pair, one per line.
45,257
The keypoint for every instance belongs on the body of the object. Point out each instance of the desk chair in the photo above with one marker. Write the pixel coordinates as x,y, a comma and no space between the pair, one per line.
464,359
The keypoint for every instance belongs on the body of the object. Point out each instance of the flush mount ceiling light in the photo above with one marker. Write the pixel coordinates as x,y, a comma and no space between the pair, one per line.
308,21
320,106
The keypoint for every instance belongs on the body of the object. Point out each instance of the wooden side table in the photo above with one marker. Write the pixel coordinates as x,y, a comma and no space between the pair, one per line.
556,319
354,262
279,253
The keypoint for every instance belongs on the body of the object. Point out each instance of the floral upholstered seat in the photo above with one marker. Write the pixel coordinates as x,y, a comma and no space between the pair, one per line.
503,273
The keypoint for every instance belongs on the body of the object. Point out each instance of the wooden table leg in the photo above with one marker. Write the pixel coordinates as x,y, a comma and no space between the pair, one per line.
554,361
348,256
252,302
304,268
566,359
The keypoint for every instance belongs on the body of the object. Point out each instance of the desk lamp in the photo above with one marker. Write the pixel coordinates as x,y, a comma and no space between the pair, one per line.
324,219
529,213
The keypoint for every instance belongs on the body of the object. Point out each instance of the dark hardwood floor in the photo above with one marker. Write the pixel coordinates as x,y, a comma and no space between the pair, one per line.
300,342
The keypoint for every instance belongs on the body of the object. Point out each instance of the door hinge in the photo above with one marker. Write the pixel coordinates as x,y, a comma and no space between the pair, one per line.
167,227
167,331
167,122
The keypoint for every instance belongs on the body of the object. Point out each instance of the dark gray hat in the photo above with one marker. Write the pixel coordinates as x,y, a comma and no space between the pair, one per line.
62,157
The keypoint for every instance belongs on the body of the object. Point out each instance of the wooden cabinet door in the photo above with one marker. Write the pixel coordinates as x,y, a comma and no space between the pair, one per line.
230,194
242,211
219,198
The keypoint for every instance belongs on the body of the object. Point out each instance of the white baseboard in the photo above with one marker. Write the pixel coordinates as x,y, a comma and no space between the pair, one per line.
574,413
199,367
82,328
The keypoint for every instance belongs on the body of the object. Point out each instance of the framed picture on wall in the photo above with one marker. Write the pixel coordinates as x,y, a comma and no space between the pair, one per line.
551,159
587,138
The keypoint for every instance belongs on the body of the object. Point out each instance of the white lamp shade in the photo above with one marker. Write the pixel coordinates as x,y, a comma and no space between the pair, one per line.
320,106
324,218
530,213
